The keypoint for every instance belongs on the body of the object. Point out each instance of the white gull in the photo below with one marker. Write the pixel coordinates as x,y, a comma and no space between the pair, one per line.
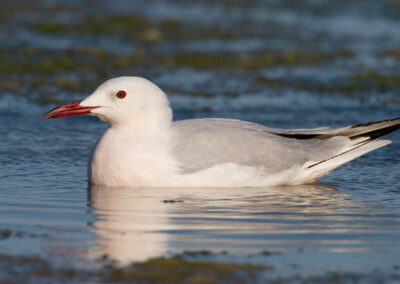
144,147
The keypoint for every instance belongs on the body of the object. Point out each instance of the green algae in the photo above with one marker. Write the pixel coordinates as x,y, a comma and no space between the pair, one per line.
158,270
122,25
363,82
50,28
45,73
5,234
394,53
178,270
344,53
62,68
85,60
375,80
40,65
138,28
250,62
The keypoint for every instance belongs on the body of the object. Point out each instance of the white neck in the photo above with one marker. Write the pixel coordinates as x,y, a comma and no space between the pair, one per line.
134,152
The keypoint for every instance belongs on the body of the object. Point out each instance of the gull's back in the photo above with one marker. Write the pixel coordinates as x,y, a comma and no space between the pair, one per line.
203,143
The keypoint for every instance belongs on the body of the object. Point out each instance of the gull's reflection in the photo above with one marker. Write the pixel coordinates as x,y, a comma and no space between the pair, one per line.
128,219
136,224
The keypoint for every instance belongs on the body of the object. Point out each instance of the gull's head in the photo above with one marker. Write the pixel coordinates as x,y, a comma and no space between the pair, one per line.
121,100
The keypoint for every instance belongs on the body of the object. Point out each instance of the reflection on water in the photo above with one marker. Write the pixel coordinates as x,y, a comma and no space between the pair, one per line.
302,228
138,223
128,219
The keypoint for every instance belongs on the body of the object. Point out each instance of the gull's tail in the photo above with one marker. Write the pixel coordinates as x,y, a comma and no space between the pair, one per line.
364,138
372,130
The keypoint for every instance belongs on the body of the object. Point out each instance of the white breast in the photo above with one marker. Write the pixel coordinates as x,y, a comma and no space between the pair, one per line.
121,158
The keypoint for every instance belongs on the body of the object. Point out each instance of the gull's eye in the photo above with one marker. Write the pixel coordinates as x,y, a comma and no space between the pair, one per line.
121,94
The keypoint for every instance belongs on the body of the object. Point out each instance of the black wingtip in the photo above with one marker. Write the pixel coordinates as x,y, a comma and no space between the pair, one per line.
375,122
375,134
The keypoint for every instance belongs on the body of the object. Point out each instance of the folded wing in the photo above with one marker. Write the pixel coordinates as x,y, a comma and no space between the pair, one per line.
203,143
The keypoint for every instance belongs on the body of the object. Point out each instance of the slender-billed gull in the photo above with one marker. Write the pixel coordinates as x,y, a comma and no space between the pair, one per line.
144,147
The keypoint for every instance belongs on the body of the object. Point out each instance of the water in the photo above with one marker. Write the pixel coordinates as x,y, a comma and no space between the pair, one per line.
347,222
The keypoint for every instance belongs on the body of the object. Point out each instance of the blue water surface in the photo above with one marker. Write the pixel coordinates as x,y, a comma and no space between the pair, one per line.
348,221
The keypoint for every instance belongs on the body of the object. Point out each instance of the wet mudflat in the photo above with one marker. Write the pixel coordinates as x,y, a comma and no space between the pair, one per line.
284,64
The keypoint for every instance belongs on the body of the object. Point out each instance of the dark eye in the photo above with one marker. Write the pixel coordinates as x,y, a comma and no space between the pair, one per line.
121,94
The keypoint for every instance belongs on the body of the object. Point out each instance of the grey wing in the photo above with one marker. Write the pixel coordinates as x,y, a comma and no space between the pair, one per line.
203,143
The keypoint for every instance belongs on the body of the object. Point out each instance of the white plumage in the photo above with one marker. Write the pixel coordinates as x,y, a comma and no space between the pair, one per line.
143,147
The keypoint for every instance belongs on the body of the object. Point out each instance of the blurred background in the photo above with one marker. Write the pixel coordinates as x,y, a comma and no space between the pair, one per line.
209,56
284,64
